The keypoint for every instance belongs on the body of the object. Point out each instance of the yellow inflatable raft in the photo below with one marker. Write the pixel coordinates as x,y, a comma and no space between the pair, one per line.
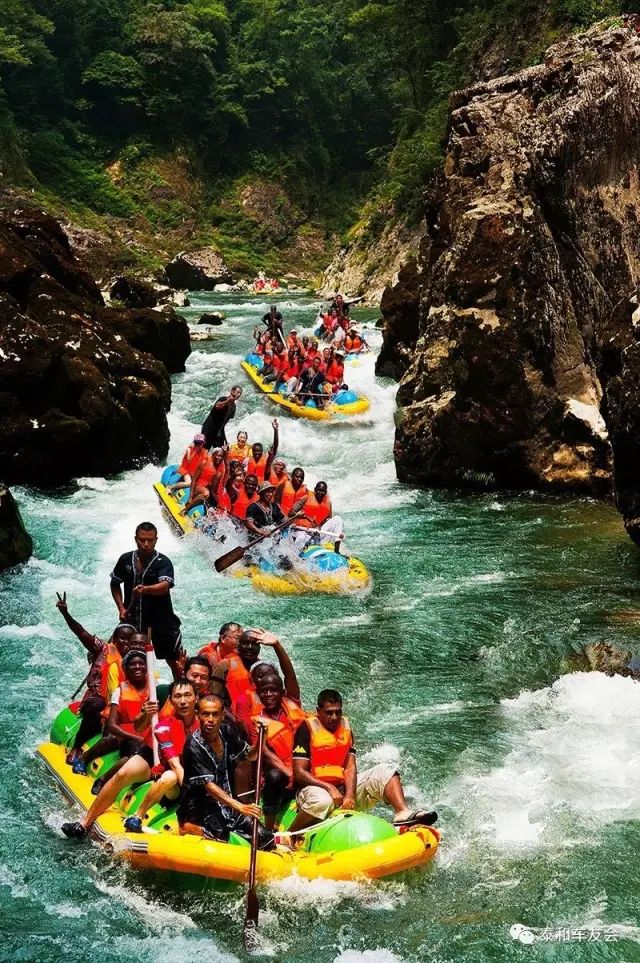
333,411
318,569
161,847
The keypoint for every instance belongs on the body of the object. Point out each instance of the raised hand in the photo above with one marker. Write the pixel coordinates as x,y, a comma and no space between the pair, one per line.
61,604
266,638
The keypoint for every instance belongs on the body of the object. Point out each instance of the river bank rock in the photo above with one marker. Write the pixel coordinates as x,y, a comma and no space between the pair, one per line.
198,270
211,317
525,371
133,292
82,391
15,542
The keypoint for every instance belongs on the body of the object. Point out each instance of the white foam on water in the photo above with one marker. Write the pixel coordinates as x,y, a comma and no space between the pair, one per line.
379,955
42,630
324,895
557,770
156,916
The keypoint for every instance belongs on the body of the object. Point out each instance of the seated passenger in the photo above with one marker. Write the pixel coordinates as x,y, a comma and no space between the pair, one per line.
259,463
129,721
353,343
262,516
171,733
208,479
281,715
311,385
291,491
243,495
278,474
235,670
240,450
226,645
335,372
193,457
211,754
102,656
326,775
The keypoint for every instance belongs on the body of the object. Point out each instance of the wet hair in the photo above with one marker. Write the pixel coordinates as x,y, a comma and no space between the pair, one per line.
270,677
123,631
227,626
328,695
198,660
248,636
134,654
179,684
146,527
236,387
208,697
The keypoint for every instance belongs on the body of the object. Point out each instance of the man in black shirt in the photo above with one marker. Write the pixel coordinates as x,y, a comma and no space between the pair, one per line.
222,412
273,320
210,756
311,384
148,579
263,515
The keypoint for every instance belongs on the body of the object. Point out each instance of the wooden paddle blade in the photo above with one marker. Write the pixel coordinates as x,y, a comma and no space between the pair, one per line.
250,931
230,558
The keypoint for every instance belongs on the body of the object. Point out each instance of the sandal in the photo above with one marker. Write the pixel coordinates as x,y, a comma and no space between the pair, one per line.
418,817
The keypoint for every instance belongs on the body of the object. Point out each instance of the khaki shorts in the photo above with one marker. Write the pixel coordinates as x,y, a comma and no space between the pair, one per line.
318,803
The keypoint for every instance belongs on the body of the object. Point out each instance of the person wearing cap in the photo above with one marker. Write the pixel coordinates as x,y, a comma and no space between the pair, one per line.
263,515
192,460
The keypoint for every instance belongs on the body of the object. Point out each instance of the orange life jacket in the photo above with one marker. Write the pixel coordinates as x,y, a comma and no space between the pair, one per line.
110,656
257,468
130,707
317,512
207,473
215,652
290,496
236,453
191,459
224,502
335,371
279,734
238,680
329,750
292,341
242,502
352,344
277,479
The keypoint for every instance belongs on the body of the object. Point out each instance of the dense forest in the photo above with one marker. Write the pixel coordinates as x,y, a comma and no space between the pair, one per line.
160,113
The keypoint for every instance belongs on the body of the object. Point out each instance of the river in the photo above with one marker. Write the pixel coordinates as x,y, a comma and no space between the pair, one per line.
454,665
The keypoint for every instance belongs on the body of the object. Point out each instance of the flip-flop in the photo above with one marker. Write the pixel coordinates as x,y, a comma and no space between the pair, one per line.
419,817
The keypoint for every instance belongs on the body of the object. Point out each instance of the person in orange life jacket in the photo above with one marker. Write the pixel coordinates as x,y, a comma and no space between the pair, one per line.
311,384
335,372
210,756
130,716
148,578
353,343
100,655
171,733
282,716
243,495
291,492
292,340
239,450
289,374
209,475
259,464
272,370
227,644
278,474
194,456
318,523
326,774
234,671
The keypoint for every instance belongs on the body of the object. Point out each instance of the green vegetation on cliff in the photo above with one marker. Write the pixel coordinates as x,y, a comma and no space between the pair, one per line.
257,125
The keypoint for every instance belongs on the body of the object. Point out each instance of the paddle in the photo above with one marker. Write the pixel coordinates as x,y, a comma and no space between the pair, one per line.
153,695
249,937
230,558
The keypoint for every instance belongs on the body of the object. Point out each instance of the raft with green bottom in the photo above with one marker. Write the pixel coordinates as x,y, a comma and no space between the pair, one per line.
318,569
334,410
347,846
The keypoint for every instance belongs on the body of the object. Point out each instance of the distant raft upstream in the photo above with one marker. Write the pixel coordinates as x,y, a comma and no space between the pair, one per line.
345,404
317,568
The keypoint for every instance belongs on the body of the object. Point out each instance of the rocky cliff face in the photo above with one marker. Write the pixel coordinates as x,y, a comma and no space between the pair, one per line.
518,321
81,388
15,542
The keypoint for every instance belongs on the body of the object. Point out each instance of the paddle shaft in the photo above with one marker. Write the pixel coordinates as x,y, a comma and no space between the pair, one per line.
230,558
153,695
253,907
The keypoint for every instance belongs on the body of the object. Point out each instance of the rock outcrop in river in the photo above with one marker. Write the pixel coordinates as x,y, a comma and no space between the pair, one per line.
84,389
525,370
15,541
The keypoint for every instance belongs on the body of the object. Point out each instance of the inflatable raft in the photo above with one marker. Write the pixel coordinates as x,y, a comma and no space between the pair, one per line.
316,569
347,846
345,404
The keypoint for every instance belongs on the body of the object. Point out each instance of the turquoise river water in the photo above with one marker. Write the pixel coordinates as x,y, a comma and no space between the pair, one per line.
454,665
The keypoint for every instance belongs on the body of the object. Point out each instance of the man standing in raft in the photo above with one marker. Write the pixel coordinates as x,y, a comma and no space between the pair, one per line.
326,774
222,412
148,579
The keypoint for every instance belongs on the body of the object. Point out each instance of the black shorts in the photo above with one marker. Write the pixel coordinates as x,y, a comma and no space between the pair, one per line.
167,642
136,747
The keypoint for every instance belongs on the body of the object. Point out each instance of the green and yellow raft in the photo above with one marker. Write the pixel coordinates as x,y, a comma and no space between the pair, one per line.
318,568
347,846
345,404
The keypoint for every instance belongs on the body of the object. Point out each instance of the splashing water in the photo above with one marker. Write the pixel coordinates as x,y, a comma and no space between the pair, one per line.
454,668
